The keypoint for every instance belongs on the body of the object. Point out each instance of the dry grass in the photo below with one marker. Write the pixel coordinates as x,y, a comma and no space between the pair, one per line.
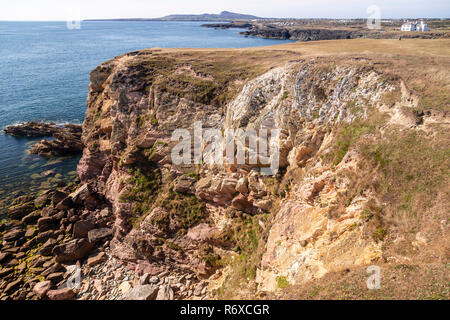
424,282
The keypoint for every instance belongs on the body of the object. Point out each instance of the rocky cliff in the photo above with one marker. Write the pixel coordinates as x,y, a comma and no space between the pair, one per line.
334,205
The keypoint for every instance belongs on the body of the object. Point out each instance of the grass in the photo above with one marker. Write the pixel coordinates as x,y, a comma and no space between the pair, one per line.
348,134
414,170
146,192
424,282
282,282
207,77
246,235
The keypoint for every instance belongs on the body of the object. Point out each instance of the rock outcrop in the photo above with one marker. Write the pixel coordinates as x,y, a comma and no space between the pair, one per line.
127,134
67,138
181,231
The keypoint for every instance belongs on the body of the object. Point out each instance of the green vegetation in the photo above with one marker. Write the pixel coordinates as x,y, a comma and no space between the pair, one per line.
413,170
187,210
282,282
194,175
246,234
145,181
348,134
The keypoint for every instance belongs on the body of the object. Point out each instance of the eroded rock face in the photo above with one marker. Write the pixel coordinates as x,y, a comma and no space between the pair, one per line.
127,138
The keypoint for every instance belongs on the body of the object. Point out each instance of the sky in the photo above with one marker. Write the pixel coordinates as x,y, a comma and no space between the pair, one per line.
103,9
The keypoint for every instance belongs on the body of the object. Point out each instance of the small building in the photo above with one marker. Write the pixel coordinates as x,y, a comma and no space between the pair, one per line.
415,26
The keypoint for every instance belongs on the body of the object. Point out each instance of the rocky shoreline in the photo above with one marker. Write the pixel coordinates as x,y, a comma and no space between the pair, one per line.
302,33
136,225
51,237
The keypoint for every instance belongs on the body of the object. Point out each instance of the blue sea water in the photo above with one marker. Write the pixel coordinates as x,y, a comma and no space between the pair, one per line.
44,75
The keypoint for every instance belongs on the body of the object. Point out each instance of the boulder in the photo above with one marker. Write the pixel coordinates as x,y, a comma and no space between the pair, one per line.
165,293
41,288
125,287
96,259
96,235
241,185
17,213
228,186
141,292
65,204
4,256
81,228
201,232
81,194
144,279
58,196
12,286
41,201
48,212
241,203
31,218
73,250
184,184
144,267
47,247
46,223
31,232
55,277
14,235
61,294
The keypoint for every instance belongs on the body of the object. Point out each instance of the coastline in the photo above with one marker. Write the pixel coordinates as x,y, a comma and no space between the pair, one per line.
121,216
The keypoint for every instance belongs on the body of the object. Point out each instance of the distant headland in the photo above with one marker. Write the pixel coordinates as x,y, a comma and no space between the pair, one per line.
223,16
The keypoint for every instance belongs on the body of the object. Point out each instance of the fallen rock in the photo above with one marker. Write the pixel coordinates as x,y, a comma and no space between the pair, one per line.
165,293
55,277
61,294
241,185
17,213
12,286
41,201
31,218
13,235
58,196
100,257
184,184
81,228
125,287
241,203
4,256
145,292
96,235
46,223
48,212
81,194
65,204
41,288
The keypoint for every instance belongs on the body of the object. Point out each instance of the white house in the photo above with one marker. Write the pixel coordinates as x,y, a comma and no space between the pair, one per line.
415,26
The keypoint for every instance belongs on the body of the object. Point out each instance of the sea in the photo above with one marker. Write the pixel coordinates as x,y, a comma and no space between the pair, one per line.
44,76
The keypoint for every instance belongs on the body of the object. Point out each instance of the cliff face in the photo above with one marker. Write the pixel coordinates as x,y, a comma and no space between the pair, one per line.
325,210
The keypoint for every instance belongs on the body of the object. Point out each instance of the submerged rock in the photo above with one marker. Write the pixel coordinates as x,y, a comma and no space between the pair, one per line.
67,138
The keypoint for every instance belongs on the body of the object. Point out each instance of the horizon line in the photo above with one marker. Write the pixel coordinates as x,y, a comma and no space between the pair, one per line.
227,20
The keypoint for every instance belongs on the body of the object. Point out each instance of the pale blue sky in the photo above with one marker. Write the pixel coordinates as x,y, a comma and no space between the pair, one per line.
88,9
